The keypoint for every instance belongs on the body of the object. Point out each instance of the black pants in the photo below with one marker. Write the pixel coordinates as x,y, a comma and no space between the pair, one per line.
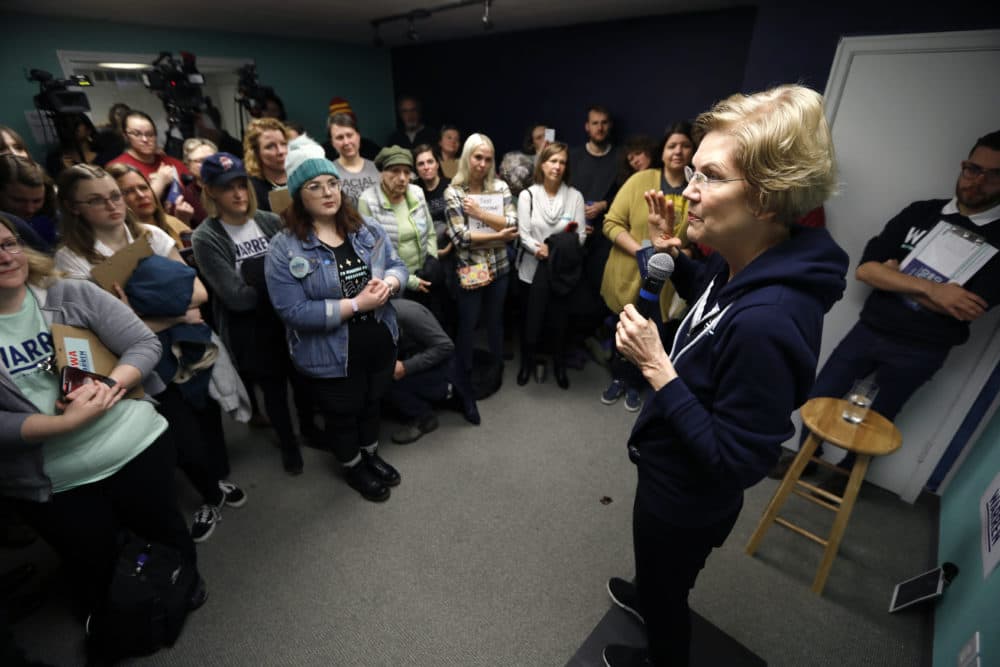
668,559
275,390
82,525
260,353
433,301
486,301
201,444
544,307
900,368
351,405
414,395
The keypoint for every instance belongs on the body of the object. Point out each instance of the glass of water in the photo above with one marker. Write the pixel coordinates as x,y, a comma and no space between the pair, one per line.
859,400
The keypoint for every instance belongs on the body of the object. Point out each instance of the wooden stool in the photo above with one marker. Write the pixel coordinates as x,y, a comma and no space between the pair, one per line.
875,436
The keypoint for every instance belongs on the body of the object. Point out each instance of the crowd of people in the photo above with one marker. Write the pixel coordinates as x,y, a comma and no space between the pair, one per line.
356,276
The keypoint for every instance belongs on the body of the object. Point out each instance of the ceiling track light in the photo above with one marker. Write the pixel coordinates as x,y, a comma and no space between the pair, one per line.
411,17
487,22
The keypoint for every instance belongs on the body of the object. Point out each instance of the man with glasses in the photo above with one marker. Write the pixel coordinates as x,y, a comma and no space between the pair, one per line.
908,324
144,154
412,131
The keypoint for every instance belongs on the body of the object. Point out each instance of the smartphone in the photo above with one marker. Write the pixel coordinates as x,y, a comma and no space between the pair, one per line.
74,378
173,193
550,135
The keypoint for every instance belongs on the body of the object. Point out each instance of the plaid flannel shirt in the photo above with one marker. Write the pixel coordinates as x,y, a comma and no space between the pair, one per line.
461,235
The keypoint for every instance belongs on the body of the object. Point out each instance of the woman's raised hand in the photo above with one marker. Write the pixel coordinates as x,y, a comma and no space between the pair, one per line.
662,218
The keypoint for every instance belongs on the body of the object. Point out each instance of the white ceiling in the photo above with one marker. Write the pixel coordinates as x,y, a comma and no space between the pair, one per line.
350,20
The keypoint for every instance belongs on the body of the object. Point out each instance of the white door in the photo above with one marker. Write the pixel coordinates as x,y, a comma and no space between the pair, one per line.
905,111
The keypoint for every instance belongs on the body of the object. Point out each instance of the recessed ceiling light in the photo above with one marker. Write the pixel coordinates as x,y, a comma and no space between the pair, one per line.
123,65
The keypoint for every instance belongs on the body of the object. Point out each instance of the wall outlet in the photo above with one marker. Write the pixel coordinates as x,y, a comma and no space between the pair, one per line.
968,656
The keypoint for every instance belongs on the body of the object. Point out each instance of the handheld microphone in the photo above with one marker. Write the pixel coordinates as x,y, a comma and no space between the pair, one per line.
658,270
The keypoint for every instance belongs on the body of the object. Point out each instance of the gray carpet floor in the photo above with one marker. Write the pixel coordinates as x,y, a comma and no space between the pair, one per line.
495,550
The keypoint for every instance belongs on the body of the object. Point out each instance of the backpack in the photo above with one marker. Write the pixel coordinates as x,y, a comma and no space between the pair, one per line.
146,603
487,374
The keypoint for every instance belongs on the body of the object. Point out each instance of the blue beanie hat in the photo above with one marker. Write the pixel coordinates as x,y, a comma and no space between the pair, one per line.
306,160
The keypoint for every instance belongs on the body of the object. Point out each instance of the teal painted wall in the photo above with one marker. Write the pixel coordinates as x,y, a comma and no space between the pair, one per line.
304,73
970,602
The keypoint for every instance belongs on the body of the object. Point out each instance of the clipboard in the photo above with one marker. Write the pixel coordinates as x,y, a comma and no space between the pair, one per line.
119,267
279,200
490,203
81,348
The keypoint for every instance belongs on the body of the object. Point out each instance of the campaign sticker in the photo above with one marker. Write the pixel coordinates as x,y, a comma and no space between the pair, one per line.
299,266
78,354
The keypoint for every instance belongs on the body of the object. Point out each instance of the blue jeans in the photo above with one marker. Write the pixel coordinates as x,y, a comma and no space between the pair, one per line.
900,367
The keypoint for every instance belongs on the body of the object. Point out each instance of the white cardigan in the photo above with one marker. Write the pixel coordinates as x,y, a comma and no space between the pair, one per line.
536,221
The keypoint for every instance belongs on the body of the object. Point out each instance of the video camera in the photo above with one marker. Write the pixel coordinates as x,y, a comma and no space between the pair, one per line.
252,96
60,105
55,95
177,82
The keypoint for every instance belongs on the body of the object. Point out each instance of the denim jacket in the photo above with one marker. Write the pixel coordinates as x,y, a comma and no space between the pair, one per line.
310,305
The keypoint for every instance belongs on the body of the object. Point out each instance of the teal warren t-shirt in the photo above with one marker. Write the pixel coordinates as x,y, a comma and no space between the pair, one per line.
99,448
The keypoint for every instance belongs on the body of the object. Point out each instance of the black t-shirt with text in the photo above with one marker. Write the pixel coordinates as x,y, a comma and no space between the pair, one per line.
354,274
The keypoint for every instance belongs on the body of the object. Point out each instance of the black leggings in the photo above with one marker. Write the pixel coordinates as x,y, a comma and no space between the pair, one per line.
201,443
260,353
275,390
350,405
668,559
82,525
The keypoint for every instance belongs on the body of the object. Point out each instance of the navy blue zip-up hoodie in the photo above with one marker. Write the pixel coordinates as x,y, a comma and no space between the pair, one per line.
745,360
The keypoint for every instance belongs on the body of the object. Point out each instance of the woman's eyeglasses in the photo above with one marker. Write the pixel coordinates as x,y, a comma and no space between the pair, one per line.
137,190
11,246
701,180
115,198
322,188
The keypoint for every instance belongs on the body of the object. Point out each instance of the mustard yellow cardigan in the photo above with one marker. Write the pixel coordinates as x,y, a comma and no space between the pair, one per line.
629,214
